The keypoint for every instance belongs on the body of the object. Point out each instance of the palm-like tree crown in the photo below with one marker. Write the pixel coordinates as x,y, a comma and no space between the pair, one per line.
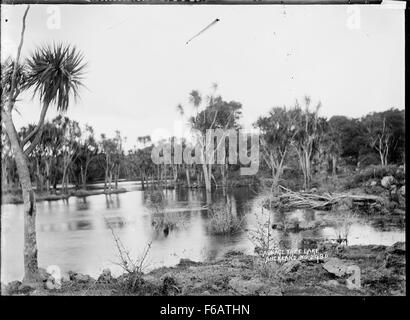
55,72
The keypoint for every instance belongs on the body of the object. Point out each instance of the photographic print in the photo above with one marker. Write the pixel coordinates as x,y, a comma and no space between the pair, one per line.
203,148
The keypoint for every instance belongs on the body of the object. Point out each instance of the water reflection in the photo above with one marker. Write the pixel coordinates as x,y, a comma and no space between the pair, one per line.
76,233
82,204
112,201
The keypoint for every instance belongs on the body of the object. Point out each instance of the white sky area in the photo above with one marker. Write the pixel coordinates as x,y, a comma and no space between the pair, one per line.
140,68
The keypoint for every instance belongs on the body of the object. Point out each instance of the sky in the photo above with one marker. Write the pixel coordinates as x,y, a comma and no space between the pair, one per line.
351,59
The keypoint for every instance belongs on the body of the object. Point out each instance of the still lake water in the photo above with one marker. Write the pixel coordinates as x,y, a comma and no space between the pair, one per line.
75,234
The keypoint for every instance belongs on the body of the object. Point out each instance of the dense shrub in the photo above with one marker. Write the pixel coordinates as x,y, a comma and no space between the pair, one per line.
375,172
222,221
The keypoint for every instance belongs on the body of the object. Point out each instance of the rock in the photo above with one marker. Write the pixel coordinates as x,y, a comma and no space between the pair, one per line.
290,266
79,277
331,283
402,191
253,287
206,293
13,287
105,276
397,248
373,183
387,181
49,285
354,281
55,272
27,287
43,274
53,283
336,267
65,278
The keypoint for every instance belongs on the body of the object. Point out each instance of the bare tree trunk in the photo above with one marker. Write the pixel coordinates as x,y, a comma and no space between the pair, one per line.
117,173
30,242
83,177
175,175
47,175
142,182
188,178
334,165
207,179
63,180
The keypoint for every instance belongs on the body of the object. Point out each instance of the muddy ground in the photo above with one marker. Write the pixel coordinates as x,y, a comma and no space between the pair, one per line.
382,273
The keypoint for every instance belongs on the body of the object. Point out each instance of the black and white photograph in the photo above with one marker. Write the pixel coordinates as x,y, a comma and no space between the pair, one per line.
203,148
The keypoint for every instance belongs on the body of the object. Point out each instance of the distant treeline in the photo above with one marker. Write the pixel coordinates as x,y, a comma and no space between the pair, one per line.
295,138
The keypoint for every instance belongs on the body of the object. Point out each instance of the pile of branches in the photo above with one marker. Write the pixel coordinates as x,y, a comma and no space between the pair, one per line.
289,200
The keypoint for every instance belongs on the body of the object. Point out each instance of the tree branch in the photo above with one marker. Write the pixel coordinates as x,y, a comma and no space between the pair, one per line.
15,67
36,129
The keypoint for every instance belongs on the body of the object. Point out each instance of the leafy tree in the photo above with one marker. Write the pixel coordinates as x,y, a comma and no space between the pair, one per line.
277,133
309,132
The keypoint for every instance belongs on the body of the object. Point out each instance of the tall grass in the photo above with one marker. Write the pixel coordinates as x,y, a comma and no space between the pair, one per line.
222,221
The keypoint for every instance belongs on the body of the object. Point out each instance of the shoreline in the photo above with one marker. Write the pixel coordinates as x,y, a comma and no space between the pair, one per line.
382,272
10,198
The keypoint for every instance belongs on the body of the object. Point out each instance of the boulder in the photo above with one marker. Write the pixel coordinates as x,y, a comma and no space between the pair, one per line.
387,181
54,272
354,281
335,266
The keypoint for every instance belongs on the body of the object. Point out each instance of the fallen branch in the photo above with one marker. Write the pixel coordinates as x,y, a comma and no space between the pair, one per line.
289,199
